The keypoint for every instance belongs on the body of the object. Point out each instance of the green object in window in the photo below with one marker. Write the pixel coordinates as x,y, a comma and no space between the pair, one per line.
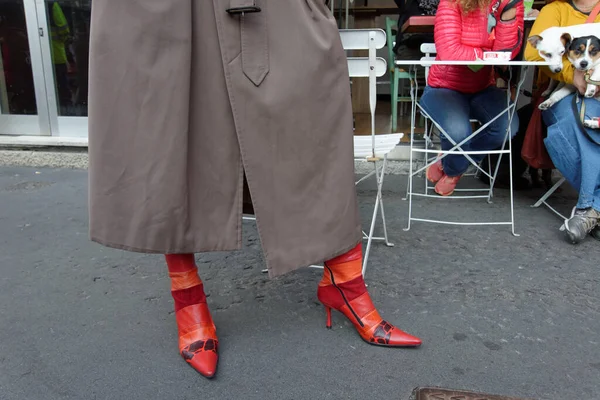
59,31
475,68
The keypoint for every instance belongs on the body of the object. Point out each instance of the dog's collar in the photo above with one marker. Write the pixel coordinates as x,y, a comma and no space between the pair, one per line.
589,80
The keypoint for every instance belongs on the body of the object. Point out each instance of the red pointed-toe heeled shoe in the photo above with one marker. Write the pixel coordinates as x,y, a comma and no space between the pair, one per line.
343,289
198,343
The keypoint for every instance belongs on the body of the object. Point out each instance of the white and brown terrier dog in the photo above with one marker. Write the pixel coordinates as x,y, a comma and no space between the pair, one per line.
584,54
553,42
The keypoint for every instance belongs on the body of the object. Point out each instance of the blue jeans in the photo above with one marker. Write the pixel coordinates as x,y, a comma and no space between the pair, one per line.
572,153
452,110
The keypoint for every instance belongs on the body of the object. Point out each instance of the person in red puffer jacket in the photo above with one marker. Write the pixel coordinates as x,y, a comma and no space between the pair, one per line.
464,30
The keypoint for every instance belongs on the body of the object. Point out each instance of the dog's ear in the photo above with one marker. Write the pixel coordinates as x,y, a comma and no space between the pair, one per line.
566,40
535,40
595,43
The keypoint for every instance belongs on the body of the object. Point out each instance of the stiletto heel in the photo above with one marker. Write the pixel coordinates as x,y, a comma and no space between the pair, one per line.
328,312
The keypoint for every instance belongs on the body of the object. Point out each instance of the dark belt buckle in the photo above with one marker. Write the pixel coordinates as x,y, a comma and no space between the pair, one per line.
243,10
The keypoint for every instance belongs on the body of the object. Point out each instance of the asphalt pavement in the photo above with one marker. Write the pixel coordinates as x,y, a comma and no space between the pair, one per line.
497,313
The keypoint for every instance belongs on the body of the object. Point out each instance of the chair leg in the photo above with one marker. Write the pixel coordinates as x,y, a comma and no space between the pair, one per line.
401,93
428,186
407,186
409,189
395,80
510,177
491,183
379,189
372,228
549,193
428,144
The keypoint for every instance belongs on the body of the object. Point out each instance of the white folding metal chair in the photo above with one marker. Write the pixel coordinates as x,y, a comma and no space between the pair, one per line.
550,192
429,52
373,148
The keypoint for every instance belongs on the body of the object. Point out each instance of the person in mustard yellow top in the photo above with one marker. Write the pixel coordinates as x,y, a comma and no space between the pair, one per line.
573,153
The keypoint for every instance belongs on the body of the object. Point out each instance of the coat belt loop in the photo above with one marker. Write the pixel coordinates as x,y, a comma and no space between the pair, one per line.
254,36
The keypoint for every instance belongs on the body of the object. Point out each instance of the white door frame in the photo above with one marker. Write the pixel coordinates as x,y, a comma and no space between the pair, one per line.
59,126
30,125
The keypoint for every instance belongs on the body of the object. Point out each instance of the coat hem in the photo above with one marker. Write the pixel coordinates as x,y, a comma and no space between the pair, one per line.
274,272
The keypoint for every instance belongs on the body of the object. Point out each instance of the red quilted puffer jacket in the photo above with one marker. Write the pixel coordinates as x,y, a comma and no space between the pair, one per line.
465,38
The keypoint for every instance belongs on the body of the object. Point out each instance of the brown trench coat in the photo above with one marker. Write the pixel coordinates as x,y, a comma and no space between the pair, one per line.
186,98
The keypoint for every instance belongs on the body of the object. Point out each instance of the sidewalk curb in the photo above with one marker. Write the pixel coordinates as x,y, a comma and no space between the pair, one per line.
77,158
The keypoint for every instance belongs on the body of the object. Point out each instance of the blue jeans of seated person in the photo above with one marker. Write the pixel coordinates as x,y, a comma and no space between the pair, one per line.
453,110
573,154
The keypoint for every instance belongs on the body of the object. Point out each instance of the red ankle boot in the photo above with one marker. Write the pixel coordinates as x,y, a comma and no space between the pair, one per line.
198,343
343,289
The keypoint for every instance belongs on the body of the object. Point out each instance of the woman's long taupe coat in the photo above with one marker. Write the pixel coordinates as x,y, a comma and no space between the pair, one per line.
185,98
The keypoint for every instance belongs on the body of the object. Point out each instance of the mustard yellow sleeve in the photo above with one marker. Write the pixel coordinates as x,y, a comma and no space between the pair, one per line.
549,16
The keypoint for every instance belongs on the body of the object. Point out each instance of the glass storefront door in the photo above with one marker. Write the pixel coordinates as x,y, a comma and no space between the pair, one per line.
44,50
65,53
21,112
